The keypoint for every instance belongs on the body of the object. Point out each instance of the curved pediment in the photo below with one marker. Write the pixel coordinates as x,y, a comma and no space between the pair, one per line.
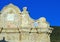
10,15
42,22
10,9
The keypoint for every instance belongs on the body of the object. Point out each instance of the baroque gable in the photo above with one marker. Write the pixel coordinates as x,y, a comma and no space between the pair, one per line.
18,26
11,9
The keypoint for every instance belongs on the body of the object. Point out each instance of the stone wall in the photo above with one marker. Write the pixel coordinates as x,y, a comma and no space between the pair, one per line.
17,26
24,35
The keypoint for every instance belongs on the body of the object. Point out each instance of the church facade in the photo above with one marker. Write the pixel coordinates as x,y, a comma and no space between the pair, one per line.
18,26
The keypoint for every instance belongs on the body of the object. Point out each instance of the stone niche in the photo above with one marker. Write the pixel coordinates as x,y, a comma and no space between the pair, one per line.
17,26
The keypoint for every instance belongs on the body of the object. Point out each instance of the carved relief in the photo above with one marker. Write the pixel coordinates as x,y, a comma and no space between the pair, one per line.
25,17
43,23
10,15
17,26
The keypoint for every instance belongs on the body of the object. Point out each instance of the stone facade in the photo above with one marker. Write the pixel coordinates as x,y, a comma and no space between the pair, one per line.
17,26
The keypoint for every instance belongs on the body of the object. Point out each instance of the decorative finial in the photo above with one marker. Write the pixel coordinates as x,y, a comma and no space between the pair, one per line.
24,8
43,19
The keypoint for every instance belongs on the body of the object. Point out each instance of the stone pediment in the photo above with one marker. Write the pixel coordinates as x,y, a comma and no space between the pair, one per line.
12,16
18,26
14,12
11,9
9,15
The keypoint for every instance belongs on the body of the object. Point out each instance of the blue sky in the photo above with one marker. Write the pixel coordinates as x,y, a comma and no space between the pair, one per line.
39,8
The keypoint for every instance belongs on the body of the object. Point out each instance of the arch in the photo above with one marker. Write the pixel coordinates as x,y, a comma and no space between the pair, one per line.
10,15
11,8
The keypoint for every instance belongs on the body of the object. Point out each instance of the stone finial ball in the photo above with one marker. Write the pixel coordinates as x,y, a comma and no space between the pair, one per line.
24,8
43,19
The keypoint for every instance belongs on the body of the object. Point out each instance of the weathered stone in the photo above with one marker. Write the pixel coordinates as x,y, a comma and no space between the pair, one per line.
17,26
